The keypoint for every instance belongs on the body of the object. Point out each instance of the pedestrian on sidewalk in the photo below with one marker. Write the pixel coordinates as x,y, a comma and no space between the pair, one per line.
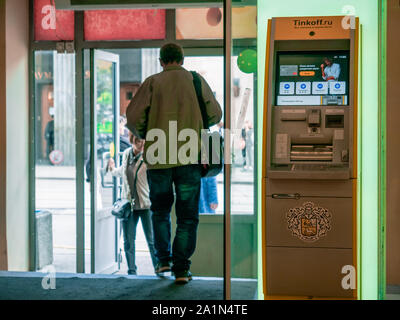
208,195
135,188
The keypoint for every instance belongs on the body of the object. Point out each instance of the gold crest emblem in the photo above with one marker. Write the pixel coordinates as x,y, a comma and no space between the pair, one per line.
309,222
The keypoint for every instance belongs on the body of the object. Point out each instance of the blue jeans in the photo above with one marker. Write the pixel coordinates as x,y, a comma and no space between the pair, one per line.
186,180
129,230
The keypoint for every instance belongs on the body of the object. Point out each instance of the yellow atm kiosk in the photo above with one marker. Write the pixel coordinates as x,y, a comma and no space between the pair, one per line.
310,158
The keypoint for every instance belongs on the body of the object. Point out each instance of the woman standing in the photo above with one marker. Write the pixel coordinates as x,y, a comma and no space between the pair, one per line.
135,188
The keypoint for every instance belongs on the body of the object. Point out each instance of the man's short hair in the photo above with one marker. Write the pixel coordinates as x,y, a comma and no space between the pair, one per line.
170,53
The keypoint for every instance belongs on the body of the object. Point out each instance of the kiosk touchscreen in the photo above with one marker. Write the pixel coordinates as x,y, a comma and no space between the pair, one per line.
310,159
312,78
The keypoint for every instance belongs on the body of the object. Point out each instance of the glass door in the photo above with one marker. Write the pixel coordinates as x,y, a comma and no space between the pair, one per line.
54,162
104,139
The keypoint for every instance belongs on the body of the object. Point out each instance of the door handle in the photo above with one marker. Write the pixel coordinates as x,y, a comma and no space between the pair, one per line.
290,196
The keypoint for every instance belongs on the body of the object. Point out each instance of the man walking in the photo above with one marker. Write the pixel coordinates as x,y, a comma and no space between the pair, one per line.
166,98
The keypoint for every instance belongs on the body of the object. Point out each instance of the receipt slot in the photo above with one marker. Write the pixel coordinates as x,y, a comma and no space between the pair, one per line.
310,159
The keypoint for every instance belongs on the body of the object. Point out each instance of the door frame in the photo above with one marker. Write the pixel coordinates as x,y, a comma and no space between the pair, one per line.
96,55
225,45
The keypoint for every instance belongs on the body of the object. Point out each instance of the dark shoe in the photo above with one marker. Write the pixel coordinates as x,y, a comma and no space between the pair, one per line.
163,267
183,277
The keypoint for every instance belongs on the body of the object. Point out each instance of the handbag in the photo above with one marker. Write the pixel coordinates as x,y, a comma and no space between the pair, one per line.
121,209
212,159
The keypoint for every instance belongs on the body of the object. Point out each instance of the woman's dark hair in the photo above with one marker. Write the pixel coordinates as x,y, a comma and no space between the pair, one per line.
122,119
170,53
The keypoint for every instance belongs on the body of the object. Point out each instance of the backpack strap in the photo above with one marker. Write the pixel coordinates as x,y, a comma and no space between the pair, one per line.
137,171
197,87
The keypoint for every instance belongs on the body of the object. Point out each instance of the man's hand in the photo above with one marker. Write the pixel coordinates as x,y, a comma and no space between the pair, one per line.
214,206
323,70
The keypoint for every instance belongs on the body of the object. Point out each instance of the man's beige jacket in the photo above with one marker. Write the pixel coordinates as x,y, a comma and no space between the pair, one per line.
167,102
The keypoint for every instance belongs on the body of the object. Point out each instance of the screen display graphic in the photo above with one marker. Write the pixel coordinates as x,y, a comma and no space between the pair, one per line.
312,78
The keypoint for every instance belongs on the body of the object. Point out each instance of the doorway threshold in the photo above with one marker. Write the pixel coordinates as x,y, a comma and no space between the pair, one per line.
69,286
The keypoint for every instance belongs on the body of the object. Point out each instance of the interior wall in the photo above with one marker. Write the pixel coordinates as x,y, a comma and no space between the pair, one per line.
17,134
3,162
393,145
